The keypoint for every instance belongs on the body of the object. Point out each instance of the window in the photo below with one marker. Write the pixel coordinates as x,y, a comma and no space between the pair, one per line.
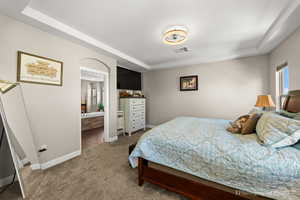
282,83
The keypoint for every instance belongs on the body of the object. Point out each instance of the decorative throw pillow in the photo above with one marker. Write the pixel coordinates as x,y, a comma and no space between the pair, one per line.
277,131
285,113
257,111
237,125
250,125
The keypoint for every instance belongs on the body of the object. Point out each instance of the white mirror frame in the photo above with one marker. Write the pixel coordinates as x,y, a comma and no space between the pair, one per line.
13,154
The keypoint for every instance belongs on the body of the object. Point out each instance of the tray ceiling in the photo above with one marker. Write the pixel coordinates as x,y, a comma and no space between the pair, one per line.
217,30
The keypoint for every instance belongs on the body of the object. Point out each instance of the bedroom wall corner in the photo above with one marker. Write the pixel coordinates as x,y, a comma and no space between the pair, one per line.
287,51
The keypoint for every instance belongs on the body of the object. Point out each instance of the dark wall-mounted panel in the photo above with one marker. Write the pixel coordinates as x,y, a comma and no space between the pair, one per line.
128,79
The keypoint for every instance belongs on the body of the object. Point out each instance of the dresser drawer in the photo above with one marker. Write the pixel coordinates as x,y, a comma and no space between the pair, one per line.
137,119
135,108
137,114
137,126
137,101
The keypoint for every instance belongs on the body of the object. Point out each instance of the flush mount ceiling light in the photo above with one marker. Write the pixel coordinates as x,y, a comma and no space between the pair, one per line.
175,35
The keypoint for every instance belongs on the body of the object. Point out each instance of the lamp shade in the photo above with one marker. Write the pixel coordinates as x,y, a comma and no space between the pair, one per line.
264,101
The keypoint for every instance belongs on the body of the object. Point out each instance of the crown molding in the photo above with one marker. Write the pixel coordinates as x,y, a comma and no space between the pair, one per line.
51,22
285,24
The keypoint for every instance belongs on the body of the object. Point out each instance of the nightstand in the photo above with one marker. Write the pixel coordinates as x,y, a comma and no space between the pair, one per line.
120,123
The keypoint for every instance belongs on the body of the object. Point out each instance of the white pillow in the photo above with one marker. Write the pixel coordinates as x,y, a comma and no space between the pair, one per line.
277,131
257,110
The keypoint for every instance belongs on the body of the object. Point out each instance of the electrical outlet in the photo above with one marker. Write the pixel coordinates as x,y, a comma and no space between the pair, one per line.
43,148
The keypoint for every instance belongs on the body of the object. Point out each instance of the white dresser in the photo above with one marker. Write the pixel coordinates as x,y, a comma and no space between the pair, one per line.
134,113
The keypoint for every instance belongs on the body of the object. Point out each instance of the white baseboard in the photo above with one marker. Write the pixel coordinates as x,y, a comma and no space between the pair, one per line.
35,166
25,161
150,126
112,139
6,181
60,160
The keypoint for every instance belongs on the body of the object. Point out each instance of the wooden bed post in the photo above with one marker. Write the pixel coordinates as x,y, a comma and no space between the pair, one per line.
142,164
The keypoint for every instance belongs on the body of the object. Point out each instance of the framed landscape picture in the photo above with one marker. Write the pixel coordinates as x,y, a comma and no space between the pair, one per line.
39,70
188,83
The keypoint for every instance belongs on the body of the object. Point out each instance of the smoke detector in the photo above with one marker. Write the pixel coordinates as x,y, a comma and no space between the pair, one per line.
182,50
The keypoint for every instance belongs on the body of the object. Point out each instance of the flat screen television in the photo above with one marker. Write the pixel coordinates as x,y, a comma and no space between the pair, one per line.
128,79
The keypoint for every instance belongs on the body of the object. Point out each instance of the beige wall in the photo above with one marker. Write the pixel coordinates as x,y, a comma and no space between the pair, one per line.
288,51
54,112
226,90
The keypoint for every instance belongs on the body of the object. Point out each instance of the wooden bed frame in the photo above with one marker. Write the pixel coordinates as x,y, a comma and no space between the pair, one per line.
202,189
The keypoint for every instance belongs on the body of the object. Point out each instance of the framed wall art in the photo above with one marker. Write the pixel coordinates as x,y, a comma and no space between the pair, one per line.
39,70
188,83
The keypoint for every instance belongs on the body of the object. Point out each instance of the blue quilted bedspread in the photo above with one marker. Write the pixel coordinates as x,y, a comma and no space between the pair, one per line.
203,147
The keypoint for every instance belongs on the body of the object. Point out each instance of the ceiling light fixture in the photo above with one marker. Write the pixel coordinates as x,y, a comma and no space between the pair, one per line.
175,35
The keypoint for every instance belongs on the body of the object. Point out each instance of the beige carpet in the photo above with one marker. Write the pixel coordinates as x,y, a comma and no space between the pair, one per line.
100,173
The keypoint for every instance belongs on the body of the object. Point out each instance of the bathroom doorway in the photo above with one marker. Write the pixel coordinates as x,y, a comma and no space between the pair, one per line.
94,100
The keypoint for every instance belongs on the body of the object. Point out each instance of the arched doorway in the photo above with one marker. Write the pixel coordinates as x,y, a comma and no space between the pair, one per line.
97,67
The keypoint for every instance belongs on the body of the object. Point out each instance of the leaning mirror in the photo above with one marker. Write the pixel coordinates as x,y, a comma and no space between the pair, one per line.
18,134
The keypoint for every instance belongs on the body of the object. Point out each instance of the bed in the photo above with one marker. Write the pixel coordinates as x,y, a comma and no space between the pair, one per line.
199,159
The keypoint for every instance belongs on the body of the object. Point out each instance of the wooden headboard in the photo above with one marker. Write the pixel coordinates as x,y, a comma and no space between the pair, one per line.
292,102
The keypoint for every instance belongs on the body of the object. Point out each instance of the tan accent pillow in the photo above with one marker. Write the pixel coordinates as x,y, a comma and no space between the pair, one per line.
250,125
237,125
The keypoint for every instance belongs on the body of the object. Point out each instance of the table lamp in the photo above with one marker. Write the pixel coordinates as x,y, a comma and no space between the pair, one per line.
264,101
